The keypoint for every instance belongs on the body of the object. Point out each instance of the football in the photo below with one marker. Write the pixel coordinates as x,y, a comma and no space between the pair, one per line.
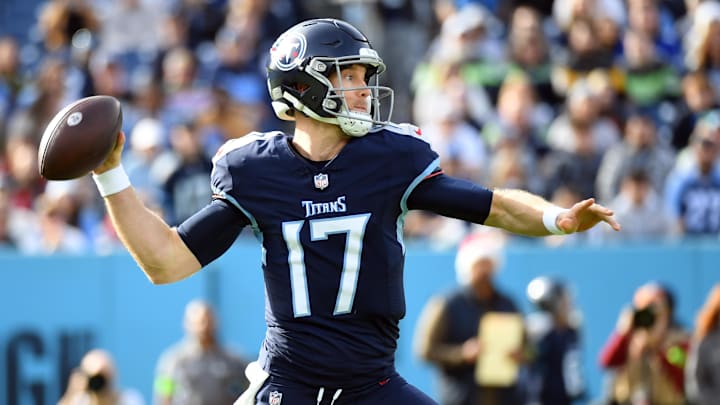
79,137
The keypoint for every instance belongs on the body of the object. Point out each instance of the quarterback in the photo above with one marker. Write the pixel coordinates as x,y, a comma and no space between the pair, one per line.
327,204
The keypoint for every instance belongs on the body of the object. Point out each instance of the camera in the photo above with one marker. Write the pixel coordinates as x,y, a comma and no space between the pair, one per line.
643,318
96,382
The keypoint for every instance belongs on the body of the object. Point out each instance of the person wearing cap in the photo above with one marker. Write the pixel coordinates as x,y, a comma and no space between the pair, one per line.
148,141
447,332
555,374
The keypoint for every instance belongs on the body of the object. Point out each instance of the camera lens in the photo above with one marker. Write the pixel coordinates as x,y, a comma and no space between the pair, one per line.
644,318
96,382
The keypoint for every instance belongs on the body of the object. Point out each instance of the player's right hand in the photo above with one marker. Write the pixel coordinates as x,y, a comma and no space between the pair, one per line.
113,159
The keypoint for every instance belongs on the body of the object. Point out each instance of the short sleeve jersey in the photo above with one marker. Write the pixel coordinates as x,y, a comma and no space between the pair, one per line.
332,247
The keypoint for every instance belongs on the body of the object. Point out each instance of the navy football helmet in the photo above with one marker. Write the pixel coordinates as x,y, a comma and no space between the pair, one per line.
301,61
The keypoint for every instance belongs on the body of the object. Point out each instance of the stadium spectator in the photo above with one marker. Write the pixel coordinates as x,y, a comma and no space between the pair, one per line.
462,152
650,19
698,98
226,118
7,239
702,43
50,230
447,333
186,92
110,75
567,11
95,382
651,82
647,351
59,20
529,52
693,187
25,184
581,120
510,168
145,166
576,168
641,209
131,29
466,52
186,189
519,119
39,102
640,149
238,76
202,20
406,22
11,81
702,372
199,369
582,56
555,374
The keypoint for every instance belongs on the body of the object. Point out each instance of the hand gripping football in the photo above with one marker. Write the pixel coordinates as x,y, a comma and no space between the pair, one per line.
79,138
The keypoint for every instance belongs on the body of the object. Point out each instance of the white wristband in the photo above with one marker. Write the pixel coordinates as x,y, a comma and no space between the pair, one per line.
112,181
550,219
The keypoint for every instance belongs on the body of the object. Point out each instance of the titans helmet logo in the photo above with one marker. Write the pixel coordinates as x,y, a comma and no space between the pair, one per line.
288,51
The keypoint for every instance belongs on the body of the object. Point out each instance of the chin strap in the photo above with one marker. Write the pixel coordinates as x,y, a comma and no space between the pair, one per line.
355,124
352,123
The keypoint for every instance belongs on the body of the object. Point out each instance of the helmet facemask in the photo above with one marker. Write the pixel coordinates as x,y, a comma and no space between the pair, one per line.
353,123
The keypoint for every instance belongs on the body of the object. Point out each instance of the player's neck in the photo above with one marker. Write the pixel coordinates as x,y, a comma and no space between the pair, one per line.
318,141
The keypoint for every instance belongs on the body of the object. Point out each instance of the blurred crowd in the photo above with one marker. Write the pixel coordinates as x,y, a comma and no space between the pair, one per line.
199,369
614,99
486,351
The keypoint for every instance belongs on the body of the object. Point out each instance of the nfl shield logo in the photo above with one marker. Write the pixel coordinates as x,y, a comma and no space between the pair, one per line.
321,181
275,398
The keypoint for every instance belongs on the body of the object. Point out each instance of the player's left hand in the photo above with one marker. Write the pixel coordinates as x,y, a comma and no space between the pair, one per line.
584,215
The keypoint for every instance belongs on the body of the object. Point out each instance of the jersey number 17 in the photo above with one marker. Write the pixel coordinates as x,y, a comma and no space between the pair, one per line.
354,227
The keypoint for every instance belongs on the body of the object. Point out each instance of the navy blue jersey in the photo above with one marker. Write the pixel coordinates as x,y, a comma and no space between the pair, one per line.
332,248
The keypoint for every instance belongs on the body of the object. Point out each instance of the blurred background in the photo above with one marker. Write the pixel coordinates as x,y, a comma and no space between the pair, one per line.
616,99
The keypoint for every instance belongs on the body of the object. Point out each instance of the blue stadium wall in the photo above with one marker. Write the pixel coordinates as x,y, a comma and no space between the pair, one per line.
52,309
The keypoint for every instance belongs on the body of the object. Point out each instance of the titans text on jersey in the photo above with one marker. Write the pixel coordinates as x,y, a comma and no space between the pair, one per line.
314,208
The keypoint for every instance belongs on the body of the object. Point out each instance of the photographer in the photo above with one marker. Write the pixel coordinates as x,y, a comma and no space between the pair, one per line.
647,351
555,374
93,383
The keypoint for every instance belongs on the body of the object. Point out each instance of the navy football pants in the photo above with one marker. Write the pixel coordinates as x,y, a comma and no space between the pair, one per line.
394,390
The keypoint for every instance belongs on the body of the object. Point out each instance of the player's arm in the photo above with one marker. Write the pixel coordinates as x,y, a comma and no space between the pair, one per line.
513,210
163,253
521,212
156,247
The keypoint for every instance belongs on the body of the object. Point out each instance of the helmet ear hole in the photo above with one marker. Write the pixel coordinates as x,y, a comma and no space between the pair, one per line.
332,105
283,110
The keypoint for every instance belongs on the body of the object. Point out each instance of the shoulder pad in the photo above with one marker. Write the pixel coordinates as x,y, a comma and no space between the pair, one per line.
237,143
402,129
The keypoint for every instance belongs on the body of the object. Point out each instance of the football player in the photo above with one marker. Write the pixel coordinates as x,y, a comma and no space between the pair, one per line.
327,204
